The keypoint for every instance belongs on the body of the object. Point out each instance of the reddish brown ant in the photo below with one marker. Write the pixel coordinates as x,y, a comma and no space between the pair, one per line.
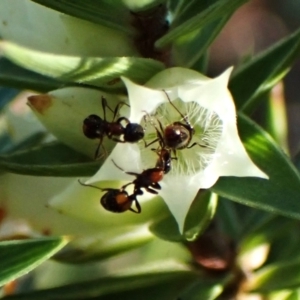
148,180
175,136
116,200
164,159
96,127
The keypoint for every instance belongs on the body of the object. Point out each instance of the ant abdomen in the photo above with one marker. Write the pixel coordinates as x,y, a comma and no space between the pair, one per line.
92,127
116,201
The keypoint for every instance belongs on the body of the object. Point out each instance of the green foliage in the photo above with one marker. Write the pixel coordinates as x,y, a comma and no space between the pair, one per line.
144,256
94,71
283,183
53,159
20,257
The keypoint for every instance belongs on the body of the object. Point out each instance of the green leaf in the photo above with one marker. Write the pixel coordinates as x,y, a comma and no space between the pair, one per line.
228,218
188,9
96,71
212,13
14,76
188,49
262,72
149,282
285,245
272,229
104,12
199,216
32,141
105,245
277,276
20,257
203,289
53,159
280,194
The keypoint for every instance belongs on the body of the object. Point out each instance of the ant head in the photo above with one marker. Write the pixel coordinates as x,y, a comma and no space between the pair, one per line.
92,126
133,133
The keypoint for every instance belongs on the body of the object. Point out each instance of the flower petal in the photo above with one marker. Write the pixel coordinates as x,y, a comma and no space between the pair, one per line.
179,191
142,99
127,156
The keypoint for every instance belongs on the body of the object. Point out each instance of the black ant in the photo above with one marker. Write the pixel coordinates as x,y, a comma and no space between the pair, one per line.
175,136
164,159
148,180
96,127
116,200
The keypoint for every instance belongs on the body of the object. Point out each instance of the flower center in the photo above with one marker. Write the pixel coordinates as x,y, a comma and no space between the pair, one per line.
193,132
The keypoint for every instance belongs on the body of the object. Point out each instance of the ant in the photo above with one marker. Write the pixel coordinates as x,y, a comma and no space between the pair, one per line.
96,127
175,136
164,159
116,200
148,180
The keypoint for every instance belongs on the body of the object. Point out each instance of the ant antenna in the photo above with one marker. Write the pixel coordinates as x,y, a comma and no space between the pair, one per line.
90,185
117,166
184,117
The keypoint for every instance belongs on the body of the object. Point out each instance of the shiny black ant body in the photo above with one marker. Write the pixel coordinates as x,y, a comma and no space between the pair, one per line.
175,136
117,200
164,159
96,127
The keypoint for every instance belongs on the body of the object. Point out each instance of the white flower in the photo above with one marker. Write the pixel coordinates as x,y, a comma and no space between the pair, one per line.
218,150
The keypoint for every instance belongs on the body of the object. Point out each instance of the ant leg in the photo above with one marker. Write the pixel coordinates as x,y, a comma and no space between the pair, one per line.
117,108
152,142
126,185
98,148
137,205
129,173
104,105
149,190
185,118
93,186
194,144
156,185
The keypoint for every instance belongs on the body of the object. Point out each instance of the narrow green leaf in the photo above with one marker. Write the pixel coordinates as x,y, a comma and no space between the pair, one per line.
188,49
280,194
122,284
200,215
267,232
19,257
212,13
106,244
262,72
14,76
228,218
189,9
285,245
203,289
104,12
53,159
274,277
95,71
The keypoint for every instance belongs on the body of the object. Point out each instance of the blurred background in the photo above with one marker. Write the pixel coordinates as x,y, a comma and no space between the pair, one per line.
253,28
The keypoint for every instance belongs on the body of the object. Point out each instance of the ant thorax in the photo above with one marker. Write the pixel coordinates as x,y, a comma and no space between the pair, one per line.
192,135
